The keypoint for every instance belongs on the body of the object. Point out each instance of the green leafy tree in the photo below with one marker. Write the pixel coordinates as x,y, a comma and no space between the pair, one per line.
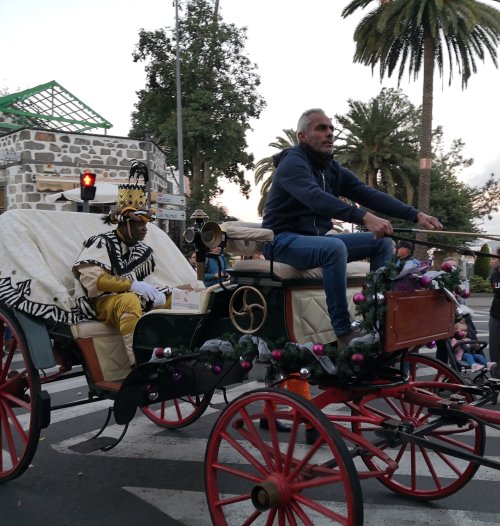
482,264
379,141
219,97
420,35
265,169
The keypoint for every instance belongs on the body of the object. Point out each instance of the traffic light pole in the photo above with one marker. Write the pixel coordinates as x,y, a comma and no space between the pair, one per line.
86,206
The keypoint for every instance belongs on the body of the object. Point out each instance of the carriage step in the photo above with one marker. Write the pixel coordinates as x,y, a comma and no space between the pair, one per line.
93,444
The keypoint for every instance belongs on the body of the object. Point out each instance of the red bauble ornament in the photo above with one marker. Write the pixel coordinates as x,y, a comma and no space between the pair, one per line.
216,368
159,352
246,365
431,345
460,335
318,349
466,294
176,376
425,281
447,266
357,358
277,354
358,298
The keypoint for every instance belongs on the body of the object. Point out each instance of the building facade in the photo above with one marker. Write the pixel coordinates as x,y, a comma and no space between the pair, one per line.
36,163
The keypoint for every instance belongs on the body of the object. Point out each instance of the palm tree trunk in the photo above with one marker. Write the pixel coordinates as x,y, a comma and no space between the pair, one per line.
424,188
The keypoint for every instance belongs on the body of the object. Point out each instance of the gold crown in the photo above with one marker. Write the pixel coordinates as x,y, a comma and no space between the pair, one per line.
132,196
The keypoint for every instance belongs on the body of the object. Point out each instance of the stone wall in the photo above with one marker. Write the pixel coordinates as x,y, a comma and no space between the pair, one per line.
35,163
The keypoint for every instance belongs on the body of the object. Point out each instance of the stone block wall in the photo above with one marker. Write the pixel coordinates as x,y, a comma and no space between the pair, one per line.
36,162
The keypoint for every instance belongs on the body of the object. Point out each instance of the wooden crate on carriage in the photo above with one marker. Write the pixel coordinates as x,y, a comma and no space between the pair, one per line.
416,318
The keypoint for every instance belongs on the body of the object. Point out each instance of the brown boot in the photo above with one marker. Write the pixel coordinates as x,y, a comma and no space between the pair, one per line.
344,340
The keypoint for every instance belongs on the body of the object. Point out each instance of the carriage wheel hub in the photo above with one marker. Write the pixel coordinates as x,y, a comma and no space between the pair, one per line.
270,494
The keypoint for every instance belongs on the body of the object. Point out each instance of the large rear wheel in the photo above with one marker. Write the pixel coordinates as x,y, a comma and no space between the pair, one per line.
20,399
262,478
424,473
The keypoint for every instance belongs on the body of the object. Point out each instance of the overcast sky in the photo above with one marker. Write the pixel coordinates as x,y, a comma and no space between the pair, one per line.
303,51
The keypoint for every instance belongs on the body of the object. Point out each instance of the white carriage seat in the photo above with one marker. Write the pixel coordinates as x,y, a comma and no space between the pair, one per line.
104,350
310,320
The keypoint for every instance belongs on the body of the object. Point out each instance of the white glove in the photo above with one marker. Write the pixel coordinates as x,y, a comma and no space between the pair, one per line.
144,289
160,299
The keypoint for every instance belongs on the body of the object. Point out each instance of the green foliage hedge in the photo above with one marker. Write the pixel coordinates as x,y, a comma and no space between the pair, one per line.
479,285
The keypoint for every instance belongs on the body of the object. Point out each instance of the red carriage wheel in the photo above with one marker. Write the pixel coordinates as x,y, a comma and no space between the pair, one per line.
20,398
424,473
179,412
263,478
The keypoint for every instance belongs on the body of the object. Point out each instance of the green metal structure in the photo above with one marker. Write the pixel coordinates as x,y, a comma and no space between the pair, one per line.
49,106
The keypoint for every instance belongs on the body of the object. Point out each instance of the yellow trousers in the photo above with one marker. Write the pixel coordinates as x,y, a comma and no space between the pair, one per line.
122,311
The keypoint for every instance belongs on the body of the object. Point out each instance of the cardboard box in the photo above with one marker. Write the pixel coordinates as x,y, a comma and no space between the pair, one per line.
186,299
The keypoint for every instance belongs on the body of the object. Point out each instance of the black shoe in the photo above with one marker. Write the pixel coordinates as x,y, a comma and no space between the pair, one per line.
280,426
312,434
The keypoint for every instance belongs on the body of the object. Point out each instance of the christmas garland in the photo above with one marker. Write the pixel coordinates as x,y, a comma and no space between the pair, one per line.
316,361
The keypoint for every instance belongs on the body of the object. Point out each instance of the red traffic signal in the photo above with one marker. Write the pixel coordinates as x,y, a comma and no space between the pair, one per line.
87,186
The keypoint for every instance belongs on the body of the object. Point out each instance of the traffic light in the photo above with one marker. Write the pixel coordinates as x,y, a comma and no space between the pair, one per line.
87,186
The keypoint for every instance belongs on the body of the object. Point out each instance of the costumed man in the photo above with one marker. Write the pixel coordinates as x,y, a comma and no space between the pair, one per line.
113,266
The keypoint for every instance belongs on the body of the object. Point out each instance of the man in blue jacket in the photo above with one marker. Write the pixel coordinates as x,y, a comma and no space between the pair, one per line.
304,198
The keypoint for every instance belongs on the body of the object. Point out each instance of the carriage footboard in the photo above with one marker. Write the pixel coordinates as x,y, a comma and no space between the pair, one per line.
154,382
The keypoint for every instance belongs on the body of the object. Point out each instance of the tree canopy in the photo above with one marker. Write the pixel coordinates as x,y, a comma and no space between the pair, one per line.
415,35
219,97
379,141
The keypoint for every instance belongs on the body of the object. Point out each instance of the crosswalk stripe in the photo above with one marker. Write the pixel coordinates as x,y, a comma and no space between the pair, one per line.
143,441
190,509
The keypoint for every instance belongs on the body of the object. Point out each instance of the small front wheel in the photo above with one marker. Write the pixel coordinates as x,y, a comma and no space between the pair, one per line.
255,475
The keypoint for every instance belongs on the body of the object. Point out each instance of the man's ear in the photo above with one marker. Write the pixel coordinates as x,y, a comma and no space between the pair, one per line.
301,136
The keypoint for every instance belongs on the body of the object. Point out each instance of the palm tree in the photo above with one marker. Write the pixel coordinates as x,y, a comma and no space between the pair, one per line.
379,142
420,34
266,166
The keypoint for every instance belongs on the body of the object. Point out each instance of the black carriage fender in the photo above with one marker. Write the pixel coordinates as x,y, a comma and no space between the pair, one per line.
37,339
44,409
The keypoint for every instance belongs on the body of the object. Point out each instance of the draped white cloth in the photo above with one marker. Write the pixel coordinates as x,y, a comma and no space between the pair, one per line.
38,249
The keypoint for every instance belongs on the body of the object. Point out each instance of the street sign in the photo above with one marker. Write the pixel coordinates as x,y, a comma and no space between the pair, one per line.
170,199
170,214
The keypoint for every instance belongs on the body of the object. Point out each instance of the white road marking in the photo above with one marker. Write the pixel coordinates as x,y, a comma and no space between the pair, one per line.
190,509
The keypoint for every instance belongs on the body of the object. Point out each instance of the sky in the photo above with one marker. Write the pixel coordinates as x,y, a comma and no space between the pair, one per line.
303,50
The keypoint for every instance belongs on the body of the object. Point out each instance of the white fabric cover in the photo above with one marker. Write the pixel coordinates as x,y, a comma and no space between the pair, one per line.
245,239
284,271
38,249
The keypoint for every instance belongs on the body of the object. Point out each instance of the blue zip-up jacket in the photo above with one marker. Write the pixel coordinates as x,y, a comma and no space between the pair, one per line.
304,199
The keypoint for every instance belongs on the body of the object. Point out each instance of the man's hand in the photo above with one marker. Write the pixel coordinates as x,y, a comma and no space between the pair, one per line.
429,222
380,227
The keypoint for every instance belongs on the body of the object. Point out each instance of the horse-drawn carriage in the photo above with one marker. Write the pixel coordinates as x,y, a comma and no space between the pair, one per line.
402,418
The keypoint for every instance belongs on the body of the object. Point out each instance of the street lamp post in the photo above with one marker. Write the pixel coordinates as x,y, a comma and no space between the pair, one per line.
180,144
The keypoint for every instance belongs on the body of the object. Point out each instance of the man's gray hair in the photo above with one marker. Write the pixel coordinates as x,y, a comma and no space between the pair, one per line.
305,119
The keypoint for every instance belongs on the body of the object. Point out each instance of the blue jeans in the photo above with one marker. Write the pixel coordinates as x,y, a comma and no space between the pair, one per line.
332,253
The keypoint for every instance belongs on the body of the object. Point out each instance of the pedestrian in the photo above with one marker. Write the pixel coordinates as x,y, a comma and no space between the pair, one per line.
404,250
191,257
215,268
494,323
